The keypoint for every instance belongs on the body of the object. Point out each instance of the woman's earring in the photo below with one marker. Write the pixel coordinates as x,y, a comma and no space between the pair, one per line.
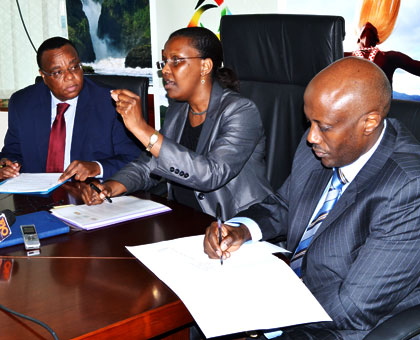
202,81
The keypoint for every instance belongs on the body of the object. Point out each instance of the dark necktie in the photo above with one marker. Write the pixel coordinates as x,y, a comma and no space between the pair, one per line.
56,147
334,193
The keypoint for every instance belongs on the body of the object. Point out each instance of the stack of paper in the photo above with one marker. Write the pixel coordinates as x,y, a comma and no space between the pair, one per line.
121,209
252,290
31,183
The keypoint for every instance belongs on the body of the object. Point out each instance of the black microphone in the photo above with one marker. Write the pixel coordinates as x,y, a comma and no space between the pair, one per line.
10,216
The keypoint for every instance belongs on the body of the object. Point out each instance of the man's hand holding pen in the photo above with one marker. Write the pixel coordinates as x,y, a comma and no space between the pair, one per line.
232,239
9,169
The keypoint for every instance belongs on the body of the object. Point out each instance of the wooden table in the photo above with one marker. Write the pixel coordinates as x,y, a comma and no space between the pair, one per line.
86,285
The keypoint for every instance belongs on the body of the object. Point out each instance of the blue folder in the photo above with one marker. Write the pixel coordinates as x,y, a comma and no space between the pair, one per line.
46,225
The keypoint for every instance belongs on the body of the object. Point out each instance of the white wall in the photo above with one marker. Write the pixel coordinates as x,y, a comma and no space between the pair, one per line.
43,19
3,127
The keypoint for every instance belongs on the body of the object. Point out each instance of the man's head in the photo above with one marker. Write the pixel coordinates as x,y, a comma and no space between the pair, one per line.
346,104
59,66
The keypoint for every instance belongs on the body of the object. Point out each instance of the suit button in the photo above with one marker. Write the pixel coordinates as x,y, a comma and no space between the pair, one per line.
177,171
186,175
181,173
200,196
171,169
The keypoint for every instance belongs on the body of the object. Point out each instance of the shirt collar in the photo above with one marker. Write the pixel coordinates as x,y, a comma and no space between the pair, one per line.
350,171
55,101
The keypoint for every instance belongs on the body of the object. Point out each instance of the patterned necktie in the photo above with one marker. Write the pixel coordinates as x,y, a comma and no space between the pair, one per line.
334,193
55,160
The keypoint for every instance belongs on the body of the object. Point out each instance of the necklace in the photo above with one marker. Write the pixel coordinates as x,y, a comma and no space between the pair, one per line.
197,113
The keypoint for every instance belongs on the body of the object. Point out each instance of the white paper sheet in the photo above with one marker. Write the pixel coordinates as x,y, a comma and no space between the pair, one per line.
251,290
31,183
121,209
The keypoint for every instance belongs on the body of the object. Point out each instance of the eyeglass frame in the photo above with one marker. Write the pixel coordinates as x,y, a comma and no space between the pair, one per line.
60,74
172,61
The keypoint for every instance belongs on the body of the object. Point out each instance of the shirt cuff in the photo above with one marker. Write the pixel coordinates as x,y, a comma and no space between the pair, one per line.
101,174
252,226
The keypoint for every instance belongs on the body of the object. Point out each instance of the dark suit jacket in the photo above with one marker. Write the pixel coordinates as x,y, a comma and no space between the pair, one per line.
98,133
363,262
228,165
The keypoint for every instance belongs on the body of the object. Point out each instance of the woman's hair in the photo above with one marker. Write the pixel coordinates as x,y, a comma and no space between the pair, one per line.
382,14
209,46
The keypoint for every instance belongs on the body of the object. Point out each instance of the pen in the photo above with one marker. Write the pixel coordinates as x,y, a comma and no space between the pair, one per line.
3,164
94,187
219,226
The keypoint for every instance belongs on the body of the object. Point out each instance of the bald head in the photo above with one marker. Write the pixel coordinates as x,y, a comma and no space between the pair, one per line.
356,80
346,103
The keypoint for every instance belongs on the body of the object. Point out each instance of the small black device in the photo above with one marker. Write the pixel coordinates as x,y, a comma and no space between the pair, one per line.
30,237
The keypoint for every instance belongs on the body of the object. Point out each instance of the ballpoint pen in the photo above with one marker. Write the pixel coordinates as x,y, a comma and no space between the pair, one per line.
219,226
94,187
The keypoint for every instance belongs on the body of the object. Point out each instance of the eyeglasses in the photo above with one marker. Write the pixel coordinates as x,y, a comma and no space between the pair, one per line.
60,73
173,61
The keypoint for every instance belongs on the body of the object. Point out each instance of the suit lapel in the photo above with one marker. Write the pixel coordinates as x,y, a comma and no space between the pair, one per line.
81,121
173,126
365,176
311,193
211,117
42,123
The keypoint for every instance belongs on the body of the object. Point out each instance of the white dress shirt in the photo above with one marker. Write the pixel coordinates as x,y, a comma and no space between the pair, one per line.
69,117
350,172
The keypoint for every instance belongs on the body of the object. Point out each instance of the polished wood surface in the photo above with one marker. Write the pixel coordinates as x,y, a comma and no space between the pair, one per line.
86,285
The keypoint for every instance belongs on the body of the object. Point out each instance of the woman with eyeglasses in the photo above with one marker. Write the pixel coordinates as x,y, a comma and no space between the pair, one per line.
211,147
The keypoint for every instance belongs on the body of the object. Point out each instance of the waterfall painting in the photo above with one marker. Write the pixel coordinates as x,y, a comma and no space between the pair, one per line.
112,36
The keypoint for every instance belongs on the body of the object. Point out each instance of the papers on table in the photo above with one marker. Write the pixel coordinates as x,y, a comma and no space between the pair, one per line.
33,183
252,289
121,209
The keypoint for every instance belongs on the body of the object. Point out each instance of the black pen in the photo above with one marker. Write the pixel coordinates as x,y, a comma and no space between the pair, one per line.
94,187
3,165
219,226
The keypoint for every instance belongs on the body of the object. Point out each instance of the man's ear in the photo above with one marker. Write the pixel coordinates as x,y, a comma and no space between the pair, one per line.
42,75
372,121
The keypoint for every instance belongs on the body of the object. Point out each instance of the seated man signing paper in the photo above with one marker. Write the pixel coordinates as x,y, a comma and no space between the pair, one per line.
350,208
66,123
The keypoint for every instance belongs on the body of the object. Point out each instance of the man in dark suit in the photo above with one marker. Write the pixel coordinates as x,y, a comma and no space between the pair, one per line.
95,141
359,257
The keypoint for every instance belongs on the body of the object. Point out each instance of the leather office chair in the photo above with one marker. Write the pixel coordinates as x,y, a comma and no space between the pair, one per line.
402,326
274,57
138,85
406,324
408,112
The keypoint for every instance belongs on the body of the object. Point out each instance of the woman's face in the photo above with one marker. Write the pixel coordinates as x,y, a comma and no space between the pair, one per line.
181,76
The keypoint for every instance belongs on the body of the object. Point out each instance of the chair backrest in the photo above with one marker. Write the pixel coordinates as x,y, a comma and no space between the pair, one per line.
274,57
138,85
407,112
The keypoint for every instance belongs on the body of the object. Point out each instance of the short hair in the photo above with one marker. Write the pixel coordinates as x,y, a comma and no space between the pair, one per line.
52,44
208,45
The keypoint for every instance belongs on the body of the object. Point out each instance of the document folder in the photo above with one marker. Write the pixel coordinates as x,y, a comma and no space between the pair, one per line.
46,225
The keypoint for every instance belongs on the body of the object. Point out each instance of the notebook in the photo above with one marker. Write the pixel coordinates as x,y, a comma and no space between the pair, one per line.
121,209
46,225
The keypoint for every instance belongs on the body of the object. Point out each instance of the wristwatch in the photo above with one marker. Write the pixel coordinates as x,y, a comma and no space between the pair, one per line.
153,139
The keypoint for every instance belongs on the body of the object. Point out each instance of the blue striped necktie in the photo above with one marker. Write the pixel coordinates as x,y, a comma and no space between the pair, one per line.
334,193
